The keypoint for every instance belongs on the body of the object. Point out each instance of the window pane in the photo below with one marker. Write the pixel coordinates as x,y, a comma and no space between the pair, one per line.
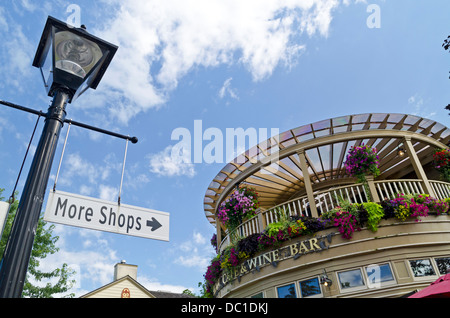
422,267
310,287
287,291
379,273
443,265
351,279
259,295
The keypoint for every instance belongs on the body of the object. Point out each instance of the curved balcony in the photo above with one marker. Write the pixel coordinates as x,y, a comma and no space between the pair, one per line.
326,200
398,259
301,172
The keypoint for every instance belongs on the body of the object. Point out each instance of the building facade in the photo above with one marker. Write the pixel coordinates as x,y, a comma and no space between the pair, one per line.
301,175
126,285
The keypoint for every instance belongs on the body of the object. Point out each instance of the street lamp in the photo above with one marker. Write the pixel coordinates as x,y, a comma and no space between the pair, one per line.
71,58
71,61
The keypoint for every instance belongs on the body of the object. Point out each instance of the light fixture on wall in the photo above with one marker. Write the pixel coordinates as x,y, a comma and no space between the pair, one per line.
401,152
325,280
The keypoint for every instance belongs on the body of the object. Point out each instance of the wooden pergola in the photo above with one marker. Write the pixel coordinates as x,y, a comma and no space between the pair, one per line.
311,157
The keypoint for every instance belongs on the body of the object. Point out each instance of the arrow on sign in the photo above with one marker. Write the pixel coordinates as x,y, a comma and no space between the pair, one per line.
154,224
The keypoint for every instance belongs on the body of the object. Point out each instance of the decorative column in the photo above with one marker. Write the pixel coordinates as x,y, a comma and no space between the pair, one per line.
261,220
417,166
219,234
373,191
308,185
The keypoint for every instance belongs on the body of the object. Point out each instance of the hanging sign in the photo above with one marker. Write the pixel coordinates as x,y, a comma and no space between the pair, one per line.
125,293
76,210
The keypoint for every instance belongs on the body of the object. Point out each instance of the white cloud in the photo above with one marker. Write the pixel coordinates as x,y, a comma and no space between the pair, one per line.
154,285
93,263
411,100
199,238
195,253
17,50
418,107
3,22
169,163
198,261
108,193
74,166
161,41
86,190
28,6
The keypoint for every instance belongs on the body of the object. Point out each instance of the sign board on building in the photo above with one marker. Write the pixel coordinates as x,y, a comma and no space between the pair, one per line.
76,210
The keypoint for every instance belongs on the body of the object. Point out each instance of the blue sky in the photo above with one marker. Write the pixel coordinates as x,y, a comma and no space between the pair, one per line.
254,63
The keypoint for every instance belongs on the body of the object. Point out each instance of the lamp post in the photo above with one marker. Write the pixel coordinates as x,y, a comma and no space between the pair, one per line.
70,60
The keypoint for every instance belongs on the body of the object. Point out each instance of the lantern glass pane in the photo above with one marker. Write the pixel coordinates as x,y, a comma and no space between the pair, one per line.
75,54
47,66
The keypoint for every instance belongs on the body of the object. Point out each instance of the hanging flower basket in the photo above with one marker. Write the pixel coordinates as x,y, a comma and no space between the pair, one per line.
240,206
360,161
441,159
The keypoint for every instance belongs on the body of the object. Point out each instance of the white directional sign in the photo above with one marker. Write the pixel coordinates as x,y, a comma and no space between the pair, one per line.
76,210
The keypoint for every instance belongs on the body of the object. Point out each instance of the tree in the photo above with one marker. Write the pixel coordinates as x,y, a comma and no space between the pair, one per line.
44,245
203,290
446,46
188,292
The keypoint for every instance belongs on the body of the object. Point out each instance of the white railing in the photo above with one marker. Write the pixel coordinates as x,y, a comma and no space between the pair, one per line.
388,189
247,228
327,200
297,206
441,189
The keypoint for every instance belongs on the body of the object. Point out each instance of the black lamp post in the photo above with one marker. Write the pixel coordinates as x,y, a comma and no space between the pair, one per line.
71,61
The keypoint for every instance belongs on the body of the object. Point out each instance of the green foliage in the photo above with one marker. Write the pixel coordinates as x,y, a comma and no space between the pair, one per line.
189,292
249,245
204,293
346,217
362,160
286,228
273,229
375,214
344,205
441,159
241,205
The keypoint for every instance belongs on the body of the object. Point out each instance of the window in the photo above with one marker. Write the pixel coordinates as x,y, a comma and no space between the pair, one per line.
258,295
287,291
379,275
370,276
443,264
310,287
350,280
422,268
